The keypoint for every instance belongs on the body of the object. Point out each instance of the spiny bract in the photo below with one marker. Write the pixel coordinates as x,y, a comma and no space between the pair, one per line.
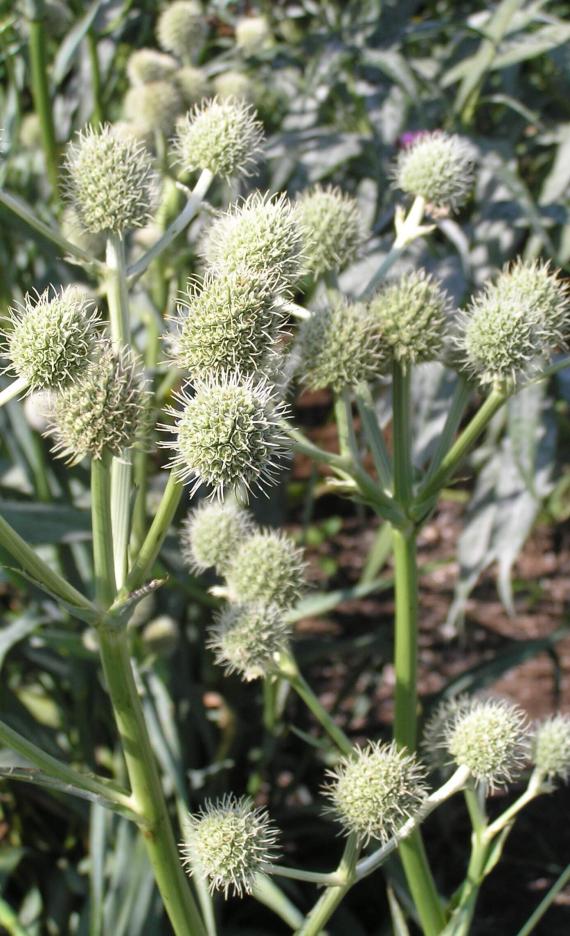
438,168
550,748
148,65
222,136
340,346
331,226
228,843
412,314
52,337
154,106
246,638
228,434
374,790
267,568
181,27
111,182
490,738
212,533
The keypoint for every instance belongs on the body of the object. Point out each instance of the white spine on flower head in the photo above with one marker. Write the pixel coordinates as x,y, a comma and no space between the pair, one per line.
222,136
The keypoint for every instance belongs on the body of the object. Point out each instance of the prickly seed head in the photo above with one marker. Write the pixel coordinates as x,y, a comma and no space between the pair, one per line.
212,533
331,227
413,315
148,65
222,136
490,738
437,167
550,748
268,568
154,107
246,638
181,27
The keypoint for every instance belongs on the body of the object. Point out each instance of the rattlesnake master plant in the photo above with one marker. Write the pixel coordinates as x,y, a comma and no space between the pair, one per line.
267,568
181,27
413,317
490,737
212,533
222,136
550,748
332,229
148,65
438,168
246,639
153,107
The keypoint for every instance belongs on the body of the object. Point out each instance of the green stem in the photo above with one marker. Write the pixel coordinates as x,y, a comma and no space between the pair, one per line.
332,896
374,436
155,537
346,439
145,782
41,92
402,434
266,892
9,921
408,228
289,670
459,401
105,587
96,86
297,874
13,390
547,900
406,639
378,555
117,293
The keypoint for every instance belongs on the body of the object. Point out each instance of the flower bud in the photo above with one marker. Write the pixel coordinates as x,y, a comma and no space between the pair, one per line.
253,33
412,314
550,748
262,234
375,790
153,107
438,168
106,410
228,434
489,737
181,27
331,227
212,533
230,322
52,337
149,65
192,84
340,346
222,136
228,843
268,569
111,182
246,638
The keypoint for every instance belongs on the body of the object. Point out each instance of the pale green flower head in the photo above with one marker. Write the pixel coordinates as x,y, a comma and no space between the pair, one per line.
437,167
149,65
192,83
222,136
181,28
490,738
550,748
253,33
236,85
268,569
374,790
110,181
340,346
413,315
228,434
212,533
435,731
228,843
331,226
262,234
231,321
51,337
154,107
246,639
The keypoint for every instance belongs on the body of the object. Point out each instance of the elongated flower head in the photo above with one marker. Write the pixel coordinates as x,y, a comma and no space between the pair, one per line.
514,323
268,568
222,136
149,65
261,233
246,638
106,410
437,167
228,843
550,748
181,27
212,534
412,314
490,738
253,33
331,226
111,182
340,346
228,434
374,790
232,321
192,83
52,337
154,106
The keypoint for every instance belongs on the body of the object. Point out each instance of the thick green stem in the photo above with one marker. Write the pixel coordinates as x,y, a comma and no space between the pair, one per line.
41,91
406,638
402,434
105,587
332,896
548,899
155,537
96,86
346,439
145,783
289,670
117,292
459,401
266,892
13,390
374,436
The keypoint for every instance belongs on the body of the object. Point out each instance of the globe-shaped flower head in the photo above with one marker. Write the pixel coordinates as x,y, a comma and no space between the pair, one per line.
246,639
111,182
268,569
253,33
489,737
331,226
212,533
551,748
192,83
437,167
148,65
181,27
222,136
153,107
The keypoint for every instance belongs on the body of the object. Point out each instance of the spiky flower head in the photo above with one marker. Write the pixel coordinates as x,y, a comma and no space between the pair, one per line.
437,167
261,233
52,337
228,843
550,748
514,323
235,84
222,136
231,321
228,434
412,314
268,568
154,106
212,533
148,65
489,737
181,27
374,790
253,33
246,638
331,226
433,745
106,410
340,346
111,182
192,83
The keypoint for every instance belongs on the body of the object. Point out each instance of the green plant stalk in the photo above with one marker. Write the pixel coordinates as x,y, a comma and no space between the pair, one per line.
41,92
459,401
97,116
332,896
13,390
288,668
346,438
408,228
378,555
10,922
105,586
535,918
266,892
374,436
155,537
